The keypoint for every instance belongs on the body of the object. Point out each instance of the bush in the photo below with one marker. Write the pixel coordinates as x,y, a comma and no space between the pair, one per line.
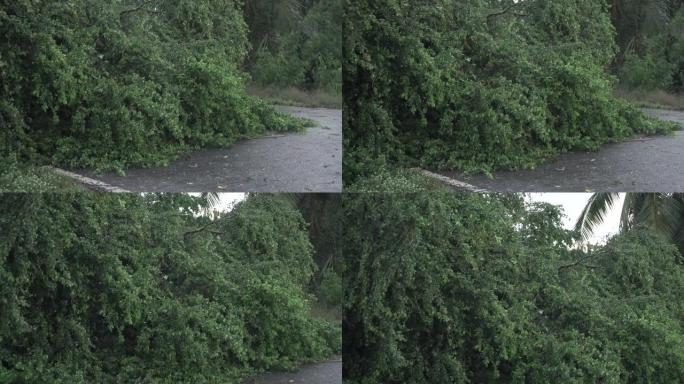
122,288
108,85
472,288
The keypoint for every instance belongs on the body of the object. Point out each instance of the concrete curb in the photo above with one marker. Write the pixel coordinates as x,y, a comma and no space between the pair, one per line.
452,182
88,182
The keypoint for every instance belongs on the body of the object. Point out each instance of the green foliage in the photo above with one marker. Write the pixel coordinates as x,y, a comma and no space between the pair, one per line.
472,288
323,213
650,34
297,43
384,179
331,289
15,177
122,288
115,84
662,213
479,84
645,72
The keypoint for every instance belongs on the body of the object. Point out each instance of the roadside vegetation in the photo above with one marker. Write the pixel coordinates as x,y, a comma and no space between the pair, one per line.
113,288
297,51
17,177
110,85
483,85
650,59
656,98
477,288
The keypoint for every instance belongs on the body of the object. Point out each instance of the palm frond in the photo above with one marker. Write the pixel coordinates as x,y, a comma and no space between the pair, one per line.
626,215
661,212
594,213
213,199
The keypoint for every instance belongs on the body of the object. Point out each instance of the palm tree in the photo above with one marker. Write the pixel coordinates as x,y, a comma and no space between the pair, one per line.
661,212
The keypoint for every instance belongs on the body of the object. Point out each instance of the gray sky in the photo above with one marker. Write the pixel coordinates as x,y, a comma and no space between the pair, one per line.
573,203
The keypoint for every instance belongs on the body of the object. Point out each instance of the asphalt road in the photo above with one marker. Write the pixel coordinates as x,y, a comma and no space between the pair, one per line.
646,164
310,161
323,373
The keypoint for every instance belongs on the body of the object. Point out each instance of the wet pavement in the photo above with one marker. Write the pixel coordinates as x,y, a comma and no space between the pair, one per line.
323,373
309,161
645,164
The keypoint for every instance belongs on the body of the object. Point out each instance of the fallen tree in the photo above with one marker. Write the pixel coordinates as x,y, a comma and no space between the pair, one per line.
479,85
471,288
113,288
116,84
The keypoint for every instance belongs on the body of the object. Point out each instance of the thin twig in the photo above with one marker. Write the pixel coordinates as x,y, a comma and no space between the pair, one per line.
203,229
505,11
138,8
579,261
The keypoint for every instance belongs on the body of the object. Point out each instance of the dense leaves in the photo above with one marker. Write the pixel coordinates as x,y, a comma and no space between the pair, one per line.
112,84
650,34
479,84
296,43
15,176
470,288
108,289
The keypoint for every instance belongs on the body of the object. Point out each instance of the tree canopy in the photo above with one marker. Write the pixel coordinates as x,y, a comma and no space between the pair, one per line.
124,288
296,43
650,36
473,288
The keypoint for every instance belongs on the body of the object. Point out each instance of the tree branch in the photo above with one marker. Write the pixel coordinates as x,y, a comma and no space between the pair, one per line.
579,261
138,8
505,11
202,229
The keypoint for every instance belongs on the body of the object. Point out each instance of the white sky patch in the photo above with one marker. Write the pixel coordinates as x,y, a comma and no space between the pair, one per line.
226,200
574,203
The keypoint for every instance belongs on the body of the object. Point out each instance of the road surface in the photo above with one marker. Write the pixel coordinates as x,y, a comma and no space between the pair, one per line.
647,164
324,373
310,161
